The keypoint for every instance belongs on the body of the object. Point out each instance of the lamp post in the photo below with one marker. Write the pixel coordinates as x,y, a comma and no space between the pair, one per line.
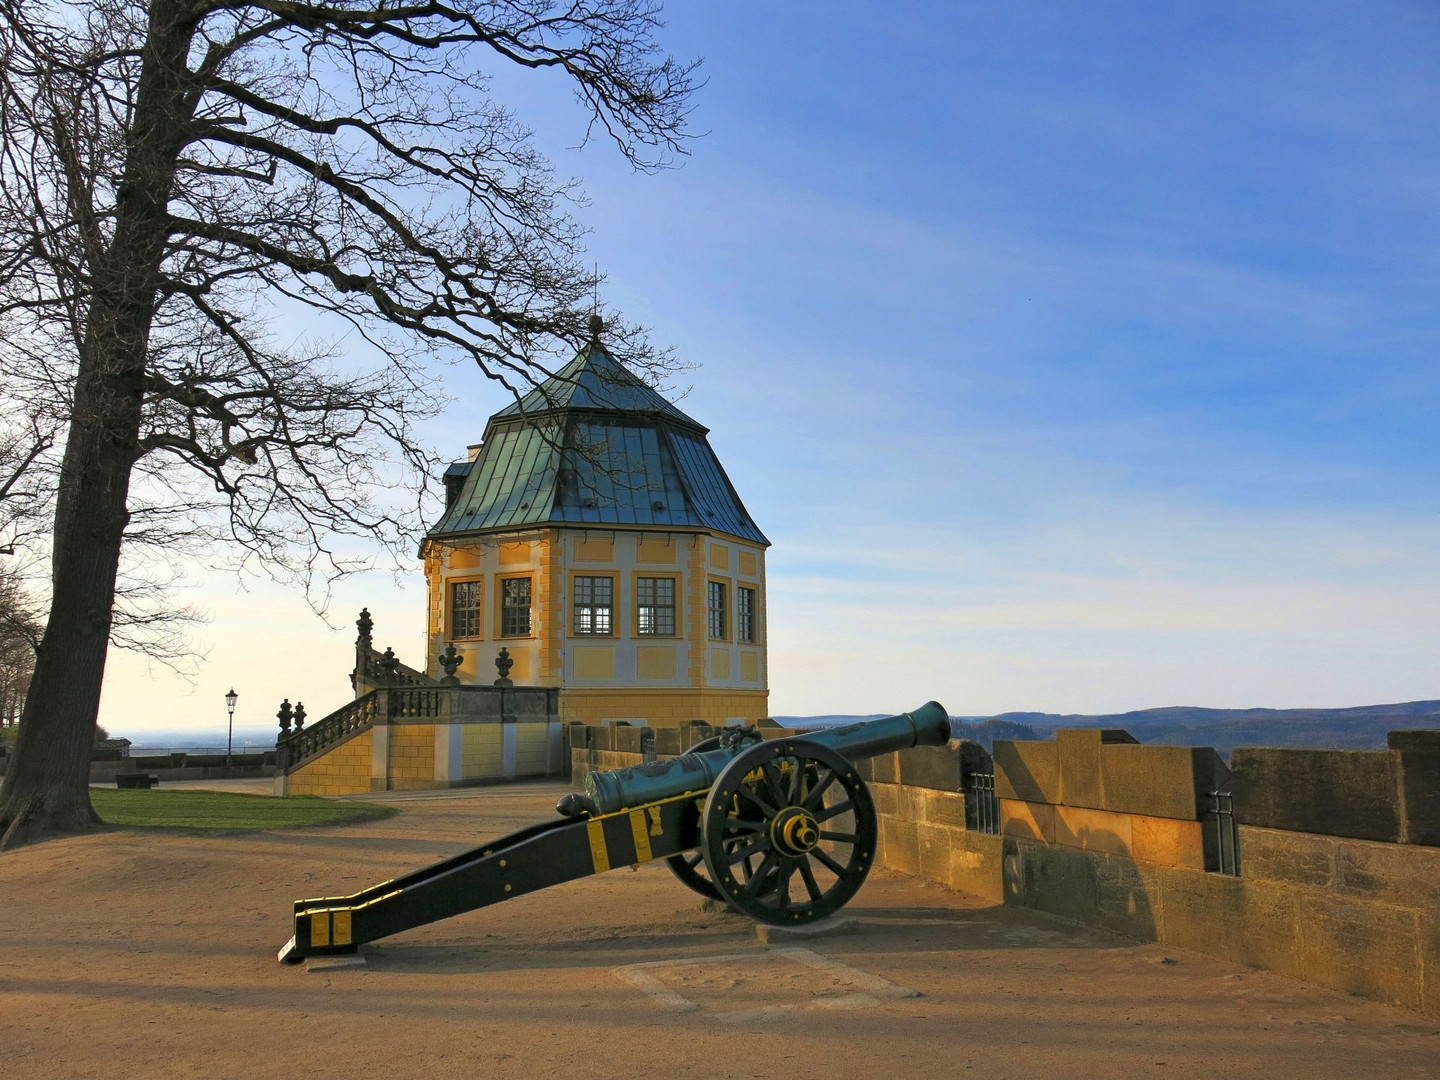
230,737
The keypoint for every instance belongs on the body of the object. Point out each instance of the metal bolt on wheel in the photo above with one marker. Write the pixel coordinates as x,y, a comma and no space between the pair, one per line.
788,832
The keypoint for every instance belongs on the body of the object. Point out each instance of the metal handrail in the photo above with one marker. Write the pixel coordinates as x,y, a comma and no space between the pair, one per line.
982,807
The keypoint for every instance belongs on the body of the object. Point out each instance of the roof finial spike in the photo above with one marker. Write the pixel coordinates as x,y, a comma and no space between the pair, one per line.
595,322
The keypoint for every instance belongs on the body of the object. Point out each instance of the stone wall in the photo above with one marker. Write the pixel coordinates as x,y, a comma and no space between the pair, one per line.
249,764
1335,885
345,770
1097,828
1390,795
411,755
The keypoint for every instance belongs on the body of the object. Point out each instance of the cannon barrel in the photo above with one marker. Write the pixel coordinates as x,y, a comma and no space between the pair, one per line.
621,789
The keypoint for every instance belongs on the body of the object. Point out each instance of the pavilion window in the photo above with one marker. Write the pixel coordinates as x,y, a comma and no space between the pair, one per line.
655,606
464,609
745,614
515,607
594,605
717,610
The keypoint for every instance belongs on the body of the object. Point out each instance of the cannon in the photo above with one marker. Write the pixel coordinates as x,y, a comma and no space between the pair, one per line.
780,829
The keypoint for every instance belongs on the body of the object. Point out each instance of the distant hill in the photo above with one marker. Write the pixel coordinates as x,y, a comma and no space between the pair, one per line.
1360,728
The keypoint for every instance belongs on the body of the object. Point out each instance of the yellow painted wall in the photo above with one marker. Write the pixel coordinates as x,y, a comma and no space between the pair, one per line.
549,584
750,666
412,756
662,707
482,751
464,558
344,770
522,670
515,554
551,656
590,548
696,607
656,551
656,661
594,661
532,749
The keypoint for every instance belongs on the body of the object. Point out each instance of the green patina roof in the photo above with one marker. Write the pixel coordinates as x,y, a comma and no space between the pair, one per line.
594,380
593,445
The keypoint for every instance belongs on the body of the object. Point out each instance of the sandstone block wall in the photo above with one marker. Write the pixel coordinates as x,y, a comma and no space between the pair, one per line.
1334,888
923,832
1100,829
407,755
1391,795
345,770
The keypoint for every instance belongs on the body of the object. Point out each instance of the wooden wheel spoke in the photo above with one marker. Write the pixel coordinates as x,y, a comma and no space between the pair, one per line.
765,808
744,851
812,800
752,887
742,825
782,889
741,838
811,885
829,863
771,772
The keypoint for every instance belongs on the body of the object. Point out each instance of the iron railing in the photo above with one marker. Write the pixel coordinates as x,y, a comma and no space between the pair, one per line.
982,807
1220,823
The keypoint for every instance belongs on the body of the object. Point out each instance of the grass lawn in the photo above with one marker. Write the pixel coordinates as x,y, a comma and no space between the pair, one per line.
226,810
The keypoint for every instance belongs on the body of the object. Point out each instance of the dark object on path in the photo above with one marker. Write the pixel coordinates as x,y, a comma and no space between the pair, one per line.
136,780
782,830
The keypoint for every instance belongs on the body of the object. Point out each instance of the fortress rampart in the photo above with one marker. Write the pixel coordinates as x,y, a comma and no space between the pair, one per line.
1319,864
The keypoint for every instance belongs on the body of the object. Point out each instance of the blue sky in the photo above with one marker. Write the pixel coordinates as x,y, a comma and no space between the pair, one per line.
1073,356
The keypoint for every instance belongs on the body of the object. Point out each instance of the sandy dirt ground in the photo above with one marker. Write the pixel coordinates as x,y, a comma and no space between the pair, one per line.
130,954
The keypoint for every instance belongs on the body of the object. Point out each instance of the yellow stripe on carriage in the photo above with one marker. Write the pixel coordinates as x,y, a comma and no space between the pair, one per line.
599,854
640,830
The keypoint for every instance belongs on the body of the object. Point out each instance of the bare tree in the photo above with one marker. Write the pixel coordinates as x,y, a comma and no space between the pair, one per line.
19,638
179,175
27,442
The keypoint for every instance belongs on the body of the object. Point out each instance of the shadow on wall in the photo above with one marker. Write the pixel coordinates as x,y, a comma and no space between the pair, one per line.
1097,889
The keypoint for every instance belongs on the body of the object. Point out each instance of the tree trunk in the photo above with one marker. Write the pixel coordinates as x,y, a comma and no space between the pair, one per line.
46,789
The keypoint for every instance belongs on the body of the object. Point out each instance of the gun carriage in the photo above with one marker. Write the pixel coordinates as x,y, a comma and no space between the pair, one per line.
782,830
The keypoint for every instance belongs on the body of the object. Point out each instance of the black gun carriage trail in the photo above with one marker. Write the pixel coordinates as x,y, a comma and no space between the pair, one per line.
782,830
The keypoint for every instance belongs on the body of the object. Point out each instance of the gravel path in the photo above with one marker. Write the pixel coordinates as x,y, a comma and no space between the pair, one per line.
152,955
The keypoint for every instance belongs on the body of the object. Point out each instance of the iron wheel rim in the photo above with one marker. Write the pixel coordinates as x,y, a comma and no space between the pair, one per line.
761,785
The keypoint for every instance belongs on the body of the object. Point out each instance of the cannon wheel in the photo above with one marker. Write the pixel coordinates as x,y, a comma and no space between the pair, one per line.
689,866
800,811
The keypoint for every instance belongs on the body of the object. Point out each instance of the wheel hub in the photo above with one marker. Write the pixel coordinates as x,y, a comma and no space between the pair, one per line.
794,831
